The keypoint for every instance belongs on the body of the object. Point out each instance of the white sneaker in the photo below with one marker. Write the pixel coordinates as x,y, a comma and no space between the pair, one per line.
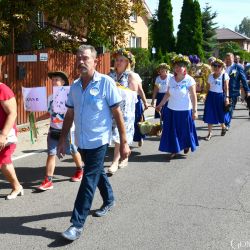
123,163
72,233
113,168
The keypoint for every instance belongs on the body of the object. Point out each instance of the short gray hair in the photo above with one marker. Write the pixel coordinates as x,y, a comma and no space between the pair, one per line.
230,54
85,47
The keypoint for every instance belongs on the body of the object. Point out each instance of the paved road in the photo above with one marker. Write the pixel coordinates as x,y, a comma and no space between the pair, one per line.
196,202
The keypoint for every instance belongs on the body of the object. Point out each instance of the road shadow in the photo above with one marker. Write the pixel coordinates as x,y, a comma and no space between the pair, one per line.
16,225
31,177
155,158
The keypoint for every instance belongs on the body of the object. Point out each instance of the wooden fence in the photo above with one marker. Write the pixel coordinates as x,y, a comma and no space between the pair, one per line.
17,73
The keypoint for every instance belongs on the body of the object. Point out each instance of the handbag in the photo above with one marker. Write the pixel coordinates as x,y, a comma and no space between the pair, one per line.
11,137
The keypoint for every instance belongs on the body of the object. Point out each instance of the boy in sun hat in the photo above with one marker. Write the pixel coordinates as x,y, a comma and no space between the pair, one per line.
58,78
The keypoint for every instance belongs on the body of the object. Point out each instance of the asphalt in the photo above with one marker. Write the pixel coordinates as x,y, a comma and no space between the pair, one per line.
199,201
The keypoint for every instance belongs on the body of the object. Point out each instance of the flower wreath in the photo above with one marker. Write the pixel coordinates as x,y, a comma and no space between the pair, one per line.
218,61
163,66
125,53
181,59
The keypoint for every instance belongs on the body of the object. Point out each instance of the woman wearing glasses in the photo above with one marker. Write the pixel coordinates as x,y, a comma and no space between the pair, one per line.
217,98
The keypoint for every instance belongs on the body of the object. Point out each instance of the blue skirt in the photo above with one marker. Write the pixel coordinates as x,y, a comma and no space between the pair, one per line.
178,132
214,108
138,114
158,100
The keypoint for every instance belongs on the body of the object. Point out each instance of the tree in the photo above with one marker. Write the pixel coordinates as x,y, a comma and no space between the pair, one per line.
208,30
102,22
163,28
234,48
185,32
189,36
244,27
197,40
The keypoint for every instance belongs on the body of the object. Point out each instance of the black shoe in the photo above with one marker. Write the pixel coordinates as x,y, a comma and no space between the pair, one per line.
186,150
104,209
223,131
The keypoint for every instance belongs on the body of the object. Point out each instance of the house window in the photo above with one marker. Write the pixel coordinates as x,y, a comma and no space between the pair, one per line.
135,42
133,17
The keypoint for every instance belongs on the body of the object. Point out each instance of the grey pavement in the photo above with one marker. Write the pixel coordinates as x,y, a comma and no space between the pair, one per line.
199,201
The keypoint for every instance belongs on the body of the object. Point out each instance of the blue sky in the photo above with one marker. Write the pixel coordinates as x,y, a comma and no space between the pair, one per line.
230,12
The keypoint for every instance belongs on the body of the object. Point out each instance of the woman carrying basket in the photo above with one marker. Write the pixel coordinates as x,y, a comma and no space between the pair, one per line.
179,132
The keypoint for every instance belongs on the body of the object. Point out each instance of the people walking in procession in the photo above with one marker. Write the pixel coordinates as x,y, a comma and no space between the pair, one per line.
92,100
179,132
237,78
161,86
217,98
8,133
58,79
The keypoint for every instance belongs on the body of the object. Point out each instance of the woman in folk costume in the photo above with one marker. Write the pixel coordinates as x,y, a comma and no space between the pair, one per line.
179,132
217,98
124,60
161,85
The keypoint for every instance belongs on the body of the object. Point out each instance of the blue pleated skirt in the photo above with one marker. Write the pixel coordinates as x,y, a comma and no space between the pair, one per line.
214,108
178,132
138,114
158,100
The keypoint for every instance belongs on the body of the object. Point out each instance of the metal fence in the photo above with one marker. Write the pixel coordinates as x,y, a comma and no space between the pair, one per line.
30,69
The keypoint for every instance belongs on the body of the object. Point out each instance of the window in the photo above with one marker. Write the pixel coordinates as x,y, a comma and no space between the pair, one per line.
135,42
133,17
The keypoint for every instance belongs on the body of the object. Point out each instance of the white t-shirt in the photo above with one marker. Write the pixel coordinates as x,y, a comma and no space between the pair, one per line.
163,84
179,93
216,84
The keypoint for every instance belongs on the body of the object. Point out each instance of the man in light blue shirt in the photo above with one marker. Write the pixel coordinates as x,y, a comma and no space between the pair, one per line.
92,101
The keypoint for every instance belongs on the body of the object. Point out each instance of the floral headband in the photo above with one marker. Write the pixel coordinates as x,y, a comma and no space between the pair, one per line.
125,53
180,59
163,66
217,61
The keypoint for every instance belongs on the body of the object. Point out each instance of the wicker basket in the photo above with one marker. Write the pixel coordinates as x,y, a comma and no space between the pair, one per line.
148,128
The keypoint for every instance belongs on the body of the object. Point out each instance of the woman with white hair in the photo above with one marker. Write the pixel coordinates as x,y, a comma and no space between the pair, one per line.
124,61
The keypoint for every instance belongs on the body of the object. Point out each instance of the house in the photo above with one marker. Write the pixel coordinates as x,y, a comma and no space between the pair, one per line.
228,35
140,25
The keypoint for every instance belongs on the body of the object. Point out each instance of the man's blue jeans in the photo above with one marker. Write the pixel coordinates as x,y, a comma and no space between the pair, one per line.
94,176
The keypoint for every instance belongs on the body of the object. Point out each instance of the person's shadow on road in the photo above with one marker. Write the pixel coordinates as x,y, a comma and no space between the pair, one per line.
16,225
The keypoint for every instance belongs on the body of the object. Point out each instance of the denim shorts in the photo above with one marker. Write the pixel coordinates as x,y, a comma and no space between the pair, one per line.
52,146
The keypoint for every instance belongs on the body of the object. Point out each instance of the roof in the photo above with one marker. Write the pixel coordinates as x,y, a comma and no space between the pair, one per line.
227,34
149,13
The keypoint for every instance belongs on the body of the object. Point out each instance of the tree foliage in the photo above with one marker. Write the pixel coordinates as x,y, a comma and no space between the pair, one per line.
189,36
185,32
244,27
208,30
162,27
234,48
101,22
